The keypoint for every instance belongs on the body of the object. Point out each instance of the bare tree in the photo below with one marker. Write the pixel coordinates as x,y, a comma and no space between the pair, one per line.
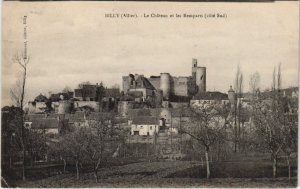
57,151
289,121
290,139
67,89
18,96
99,144
240,107
11,137
254,82
18,92
274,79
115,86
270,119
91,145
35,142
207,127
238,86
267,120
74,145
279,78
84,90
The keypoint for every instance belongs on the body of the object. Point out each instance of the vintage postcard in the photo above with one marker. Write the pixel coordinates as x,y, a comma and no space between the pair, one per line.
149,94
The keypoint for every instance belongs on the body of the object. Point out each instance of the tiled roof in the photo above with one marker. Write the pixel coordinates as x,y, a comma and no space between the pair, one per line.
79,116
45,123
135,94
147,84
181,112
76,117
120,120
97,116
155,112
30,117
142,82
61,116
211,96
145,120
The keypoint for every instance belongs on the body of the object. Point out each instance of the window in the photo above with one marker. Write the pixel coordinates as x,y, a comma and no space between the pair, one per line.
27,125
150,127
141,126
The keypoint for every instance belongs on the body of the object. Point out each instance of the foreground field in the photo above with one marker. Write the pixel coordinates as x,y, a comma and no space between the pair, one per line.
156,174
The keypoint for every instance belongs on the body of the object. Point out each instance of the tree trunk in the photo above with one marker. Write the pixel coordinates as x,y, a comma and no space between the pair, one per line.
207,164
124,150
289,166
23,163
136,151
235,127
96,175
31,161
10,162
147,145
77,170
218,154
274,167
155,149
65,164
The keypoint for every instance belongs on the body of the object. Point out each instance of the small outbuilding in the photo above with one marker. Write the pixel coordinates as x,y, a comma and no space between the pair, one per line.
144,125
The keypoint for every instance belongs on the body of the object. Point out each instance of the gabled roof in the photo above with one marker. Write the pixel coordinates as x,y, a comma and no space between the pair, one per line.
145,120
147,84
40,98
142,82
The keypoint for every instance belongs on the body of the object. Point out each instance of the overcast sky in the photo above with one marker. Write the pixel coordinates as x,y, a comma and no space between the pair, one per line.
72,42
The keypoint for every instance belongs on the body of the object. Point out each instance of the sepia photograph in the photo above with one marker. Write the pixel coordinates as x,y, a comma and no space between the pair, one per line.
115,94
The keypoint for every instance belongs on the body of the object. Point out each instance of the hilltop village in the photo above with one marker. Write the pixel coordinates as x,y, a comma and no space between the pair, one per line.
159,125
148,109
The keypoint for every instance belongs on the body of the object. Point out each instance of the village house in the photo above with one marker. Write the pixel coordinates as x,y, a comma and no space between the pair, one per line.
50,124
208,98
144,126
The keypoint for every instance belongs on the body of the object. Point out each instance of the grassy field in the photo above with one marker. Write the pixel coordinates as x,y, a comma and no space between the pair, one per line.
168,174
